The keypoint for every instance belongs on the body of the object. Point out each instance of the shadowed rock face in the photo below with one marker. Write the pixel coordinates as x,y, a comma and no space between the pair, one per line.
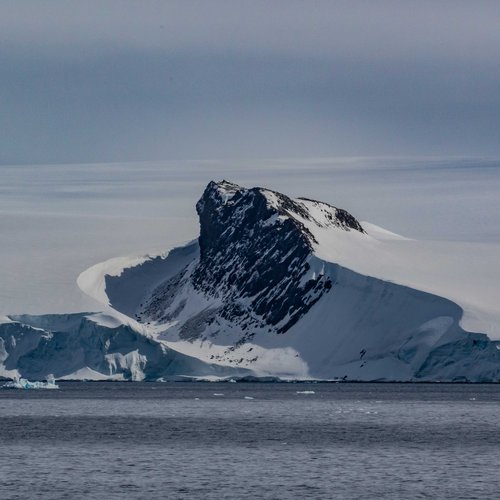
253,267
254,250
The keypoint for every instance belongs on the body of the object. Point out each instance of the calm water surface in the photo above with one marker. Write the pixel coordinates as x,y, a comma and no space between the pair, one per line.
211,440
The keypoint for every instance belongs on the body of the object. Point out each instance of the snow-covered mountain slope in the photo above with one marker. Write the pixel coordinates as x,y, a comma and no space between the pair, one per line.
93,347
298,288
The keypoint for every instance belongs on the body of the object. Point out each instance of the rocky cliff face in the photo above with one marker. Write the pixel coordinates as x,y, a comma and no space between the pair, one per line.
254,260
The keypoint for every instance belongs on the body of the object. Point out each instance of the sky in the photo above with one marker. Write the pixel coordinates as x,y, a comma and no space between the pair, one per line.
125,81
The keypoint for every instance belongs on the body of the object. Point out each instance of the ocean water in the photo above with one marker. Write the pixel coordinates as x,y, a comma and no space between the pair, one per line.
246,440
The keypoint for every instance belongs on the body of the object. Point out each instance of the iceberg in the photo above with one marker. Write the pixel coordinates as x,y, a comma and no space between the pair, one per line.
23,383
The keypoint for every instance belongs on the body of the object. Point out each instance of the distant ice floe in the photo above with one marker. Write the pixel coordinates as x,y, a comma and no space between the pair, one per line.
23,383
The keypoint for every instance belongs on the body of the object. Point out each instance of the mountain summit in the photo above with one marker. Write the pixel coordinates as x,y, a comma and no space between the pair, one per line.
254,252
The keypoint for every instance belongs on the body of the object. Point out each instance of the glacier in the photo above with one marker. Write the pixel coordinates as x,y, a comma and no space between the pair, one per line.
90,346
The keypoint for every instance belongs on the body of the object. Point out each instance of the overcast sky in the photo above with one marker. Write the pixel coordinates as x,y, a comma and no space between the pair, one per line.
100,81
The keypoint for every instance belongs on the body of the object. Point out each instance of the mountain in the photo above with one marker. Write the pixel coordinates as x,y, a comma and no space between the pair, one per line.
275,287
298,288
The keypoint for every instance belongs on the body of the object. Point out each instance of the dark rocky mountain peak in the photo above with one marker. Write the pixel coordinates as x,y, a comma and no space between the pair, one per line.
226,209
254,267
254,250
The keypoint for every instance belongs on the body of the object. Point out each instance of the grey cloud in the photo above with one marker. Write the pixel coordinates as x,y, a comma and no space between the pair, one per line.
115,81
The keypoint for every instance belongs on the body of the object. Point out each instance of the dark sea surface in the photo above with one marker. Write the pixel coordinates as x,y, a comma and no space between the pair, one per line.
210,440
